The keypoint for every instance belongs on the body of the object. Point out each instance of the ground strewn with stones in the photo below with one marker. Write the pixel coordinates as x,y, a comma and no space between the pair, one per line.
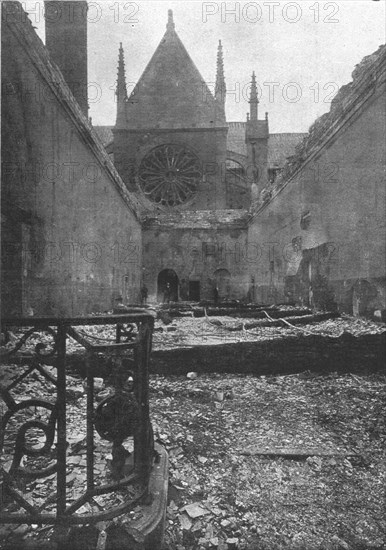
223,329
215,428
291,461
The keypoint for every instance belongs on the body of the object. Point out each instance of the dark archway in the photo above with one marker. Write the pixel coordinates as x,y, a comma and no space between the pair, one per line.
165,277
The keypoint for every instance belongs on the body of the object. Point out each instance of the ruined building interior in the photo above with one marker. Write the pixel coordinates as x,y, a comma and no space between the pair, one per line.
173,194
245,411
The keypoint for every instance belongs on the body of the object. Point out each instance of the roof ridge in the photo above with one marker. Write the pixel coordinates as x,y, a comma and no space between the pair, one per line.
174,36
171,71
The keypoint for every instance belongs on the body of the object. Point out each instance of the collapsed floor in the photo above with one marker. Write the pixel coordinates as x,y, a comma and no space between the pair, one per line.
273,462
268,462
293,462
276,340
283,341
224,327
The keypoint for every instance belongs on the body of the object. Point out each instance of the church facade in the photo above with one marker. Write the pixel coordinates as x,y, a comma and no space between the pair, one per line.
195,175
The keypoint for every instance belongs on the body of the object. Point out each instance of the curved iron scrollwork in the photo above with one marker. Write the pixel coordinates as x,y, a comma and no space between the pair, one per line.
40,348
22,448
117,417
34,432
169,175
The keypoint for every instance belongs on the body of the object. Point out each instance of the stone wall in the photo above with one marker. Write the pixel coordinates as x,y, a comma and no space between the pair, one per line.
289,355
71,235
199,246
320,237
209,145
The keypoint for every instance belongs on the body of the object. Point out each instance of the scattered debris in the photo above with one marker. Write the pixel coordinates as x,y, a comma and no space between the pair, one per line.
273,461
195,510
321,473
292,453
282,324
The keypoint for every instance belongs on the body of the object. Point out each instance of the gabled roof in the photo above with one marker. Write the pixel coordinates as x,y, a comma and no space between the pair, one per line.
171,93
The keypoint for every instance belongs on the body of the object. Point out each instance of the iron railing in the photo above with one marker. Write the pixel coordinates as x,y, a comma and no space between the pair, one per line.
37,431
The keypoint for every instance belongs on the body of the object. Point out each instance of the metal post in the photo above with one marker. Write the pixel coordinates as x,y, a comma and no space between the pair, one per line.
61,406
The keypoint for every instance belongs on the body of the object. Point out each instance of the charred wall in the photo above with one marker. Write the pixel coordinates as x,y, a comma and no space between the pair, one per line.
200,250
71,240
325,224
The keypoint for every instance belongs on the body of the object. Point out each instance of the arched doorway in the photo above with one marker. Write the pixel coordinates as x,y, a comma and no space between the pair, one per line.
165,277
222,278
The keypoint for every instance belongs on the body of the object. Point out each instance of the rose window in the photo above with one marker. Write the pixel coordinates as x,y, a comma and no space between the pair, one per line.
169,175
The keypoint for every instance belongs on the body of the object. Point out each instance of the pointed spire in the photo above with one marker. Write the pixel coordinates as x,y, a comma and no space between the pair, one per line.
121,91
220,88
121,80
253,99
170,25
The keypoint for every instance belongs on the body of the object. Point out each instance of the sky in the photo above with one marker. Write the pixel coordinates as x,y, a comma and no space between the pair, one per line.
301,52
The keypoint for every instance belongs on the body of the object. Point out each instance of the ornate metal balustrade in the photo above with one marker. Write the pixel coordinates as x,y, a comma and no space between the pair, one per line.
38,432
